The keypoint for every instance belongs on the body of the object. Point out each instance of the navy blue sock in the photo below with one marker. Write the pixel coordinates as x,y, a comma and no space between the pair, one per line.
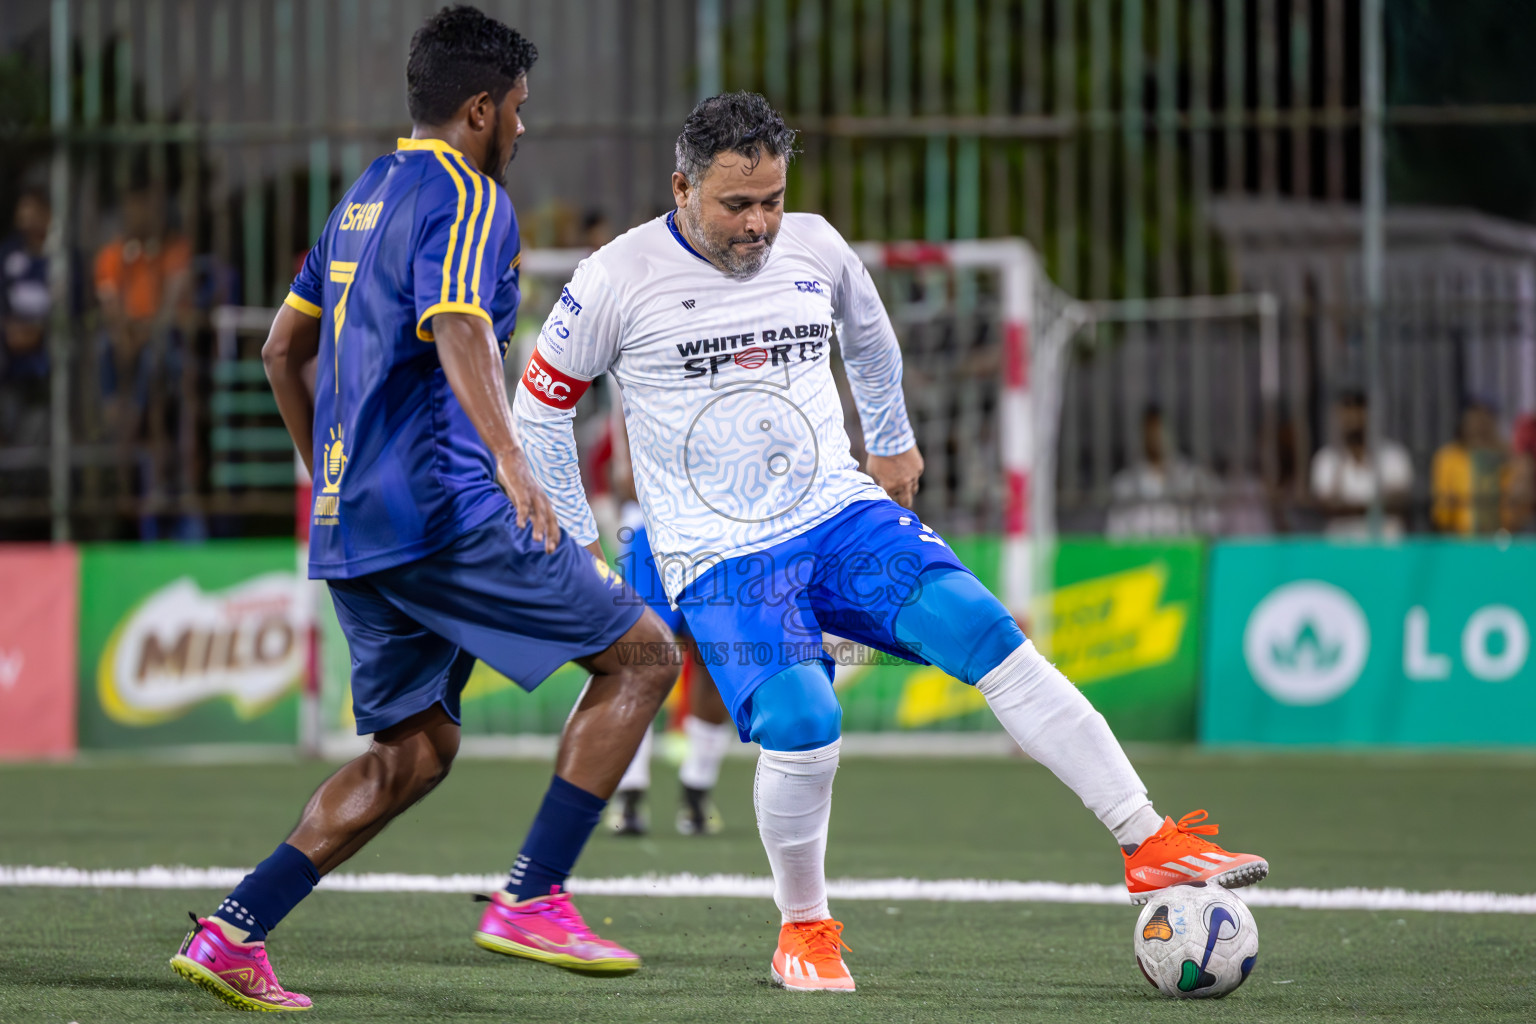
266,895
565,820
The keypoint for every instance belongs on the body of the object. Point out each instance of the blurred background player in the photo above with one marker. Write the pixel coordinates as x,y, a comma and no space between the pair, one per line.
707,729
404,306
715,321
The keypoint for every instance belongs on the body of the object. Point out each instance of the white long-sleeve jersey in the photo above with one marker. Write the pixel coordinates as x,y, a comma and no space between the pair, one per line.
735,426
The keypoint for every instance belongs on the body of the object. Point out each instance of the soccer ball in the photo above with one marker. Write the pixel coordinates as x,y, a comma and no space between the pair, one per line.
1196,941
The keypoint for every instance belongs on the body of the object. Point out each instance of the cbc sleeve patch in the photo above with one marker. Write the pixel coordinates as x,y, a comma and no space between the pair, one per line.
551,386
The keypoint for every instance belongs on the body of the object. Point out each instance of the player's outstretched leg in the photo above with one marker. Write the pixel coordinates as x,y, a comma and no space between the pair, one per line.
797,720
225,952
958,625
710,734
532,916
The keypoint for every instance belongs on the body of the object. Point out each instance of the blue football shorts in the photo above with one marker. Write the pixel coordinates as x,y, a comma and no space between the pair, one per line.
755,615
415,630
638,567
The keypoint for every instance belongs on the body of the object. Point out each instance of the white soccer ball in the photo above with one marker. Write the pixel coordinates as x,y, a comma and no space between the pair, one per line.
1196,941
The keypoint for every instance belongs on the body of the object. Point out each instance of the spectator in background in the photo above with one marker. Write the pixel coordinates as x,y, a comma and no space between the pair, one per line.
1163,494
1522,488
1345,479
1472,478
26,303
143,279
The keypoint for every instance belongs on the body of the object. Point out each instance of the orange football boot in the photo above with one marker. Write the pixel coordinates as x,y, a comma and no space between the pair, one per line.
1177,853
810,959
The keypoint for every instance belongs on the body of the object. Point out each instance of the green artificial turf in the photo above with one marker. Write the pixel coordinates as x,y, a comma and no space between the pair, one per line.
1433,822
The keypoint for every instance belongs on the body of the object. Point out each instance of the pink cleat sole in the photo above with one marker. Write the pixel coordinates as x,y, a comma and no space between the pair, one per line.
550,931
239,975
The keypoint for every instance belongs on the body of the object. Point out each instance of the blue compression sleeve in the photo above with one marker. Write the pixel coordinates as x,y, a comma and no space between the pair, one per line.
796,709
957,624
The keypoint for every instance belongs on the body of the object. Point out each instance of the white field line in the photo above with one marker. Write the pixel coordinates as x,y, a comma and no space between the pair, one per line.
951,890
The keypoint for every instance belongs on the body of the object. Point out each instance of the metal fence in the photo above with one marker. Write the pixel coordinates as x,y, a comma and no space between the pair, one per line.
1107,132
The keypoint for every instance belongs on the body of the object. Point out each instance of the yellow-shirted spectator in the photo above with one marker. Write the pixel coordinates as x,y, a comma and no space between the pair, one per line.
1472,478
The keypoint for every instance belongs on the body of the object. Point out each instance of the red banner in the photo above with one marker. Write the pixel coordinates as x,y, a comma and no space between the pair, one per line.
39,613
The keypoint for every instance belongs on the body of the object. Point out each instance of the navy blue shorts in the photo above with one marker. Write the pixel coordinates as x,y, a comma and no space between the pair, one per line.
638,566
415,630
755,615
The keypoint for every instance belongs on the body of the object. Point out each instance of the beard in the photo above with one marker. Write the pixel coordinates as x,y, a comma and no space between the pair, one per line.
720,248
501,172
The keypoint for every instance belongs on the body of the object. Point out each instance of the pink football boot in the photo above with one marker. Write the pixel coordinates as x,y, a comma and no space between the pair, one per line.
239,974
549,929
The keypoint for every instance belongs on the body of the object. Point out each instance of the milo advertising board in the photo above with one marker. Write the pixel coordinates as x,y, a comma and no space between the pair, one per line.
185,644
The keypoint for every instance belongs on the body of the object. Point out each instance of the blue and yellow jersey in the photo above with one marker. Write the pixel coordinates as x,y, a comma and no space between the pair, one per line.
400,471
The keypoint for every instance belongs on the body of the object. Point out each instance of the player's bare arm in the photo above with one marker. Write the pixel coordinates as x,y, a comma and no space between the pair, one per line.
472,363
288,355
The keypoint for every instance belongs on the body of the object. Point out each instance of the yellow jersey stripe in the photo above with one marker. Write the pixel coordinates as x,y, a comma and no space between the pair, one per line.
458,218
425,333
303,305
517,259
435,145
469,228
485,233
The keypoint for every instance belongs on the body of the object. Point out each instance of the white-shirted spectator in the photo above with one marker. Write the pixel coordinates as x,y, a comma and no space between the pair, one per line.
1345,478
1163,494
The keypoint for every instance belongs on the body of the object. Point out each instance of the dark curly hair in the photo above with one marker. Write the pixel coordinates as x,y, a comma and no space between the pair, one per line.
460,52
733,122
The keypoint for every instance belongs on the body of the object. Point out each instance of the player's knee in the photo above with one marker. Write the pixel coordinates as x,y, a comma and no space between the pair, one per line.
656,667
414,767
959,625
797,709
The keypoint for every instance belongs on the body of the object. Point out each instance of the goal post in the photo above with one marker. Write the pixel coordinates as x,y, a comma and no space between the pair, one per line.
1014,262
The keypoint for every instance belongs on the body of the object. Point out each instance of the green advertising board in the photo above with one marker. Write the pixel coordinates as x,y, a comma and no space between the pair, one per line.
1122,622
189,644
1423,642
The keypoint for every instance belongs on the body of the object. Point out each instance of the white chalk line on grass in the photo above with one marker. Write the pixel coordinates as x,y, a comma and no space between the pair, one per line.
949,890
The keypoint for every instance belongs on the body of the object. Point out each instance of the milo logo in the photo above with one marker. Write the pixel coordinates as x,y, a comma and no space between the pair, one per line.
182,646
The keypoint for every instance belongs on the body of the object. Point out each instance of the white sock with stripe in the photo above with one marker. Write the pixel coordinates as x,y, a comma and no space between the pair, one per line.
793,794
707,744
638,774
1053,723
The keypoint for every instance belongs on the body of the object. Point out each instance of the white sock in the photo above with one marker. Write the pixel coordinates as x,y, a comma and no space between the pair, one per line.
1054,724
793,795
638,774
707,744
